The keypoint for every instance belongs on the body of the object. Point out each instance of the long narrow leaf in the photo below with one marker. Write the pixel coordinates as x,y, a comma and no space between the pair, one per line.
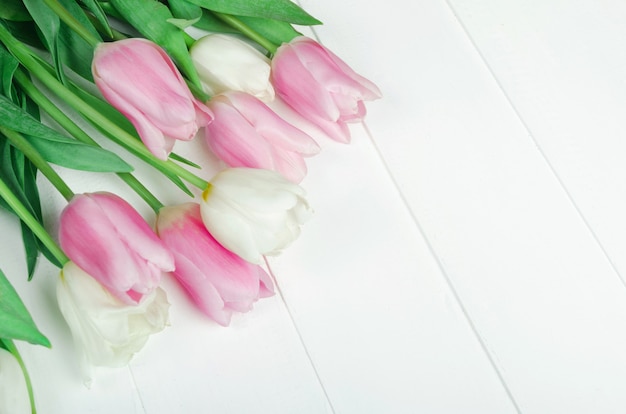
283,10
48,24
15,321
275,31
56,148
74,51
8,65
14,10
94,7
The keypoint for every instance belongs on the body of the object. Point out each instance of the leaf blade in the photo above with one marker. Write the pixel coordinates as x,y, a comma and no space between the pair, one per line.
15,320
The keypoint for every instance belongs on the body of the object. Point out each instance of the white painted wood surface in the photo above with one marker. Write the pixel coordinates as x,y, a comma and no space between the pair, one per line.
467,251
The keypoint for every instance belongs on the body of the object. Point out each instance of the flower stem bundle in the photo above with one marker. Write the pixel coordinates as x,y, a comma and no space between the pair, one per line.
150,76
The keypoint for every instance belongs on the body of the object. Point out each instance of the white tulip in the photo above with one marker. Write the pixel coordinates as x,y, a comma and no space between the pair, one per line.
107,332
254,212
226,63
13,392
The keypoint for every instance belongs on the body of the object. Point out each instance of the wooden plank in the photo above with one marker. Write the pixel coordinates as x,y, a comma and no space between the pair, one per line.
536,285
377,318
566,82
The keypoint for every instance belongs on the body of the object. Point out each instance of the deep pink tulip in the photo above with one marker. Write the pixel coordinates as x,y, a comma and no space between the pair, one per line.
247,133
109,240
219,281
138,78
320,86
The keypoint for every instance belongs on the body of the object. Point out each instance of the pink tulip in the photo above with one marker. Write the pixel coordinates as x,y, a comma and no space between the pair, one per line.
219,281
109,240
139,79
247,133
320,86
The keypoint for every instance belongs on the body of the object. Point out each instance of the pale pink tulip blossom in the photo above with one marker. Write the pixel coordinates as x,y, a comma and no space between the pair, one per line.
138,78
254,212
218,281
247,133
226,63
320,86
109,240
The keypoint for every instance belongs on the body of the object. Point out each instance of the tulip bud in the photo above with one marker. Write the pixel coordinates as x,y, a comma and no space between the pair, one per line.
247,133
107,332
219,281
108,239
138,78
14,397
225,63
320,86
254,212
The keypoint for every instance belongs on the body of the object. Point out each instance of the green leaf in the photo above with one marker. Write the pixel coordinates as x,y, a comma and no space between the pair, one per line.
14,10
31,191
56,148
20,165
70,153
48,24
74,51
7,174
17,119
275,31
8,65
150,18
182,9
283,10
183,160
94,7
25,32
15,321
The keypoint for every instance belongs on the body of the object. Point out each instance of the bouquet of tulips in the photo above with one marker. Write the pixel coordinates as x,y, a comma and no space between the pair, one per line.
147,74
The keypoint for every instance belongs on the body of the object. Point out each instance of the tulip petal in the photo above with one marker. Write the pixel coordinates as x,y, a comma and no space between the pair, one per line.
218,280
108,239
106,331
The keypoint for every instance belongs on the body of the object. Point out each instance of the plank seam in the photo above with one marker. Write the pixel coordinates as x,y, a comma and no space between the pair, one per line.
300,338
540,150
448,281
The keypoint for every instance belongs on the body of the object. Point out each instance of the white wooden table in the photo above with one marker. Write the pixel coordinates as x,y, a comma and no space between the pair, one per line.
468,251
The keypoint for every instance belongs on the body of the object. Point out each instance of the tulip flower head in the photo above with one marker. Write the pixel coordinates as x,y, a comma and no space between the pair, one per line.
14,397
138,78
219,281
247,133
107,332
226,63
109,240
320,86
254,212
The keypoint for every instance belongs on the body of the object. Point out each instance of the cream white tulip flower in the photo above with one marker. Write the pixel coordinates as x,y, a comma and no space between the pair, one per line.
107,331
254,212
226,63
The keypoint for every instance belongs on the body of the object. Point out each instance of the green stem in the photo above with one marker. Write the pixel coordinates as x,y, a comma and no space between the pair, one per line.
235,23
71,21
70,126
189,41
29,219
10,346
116,133
21,143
